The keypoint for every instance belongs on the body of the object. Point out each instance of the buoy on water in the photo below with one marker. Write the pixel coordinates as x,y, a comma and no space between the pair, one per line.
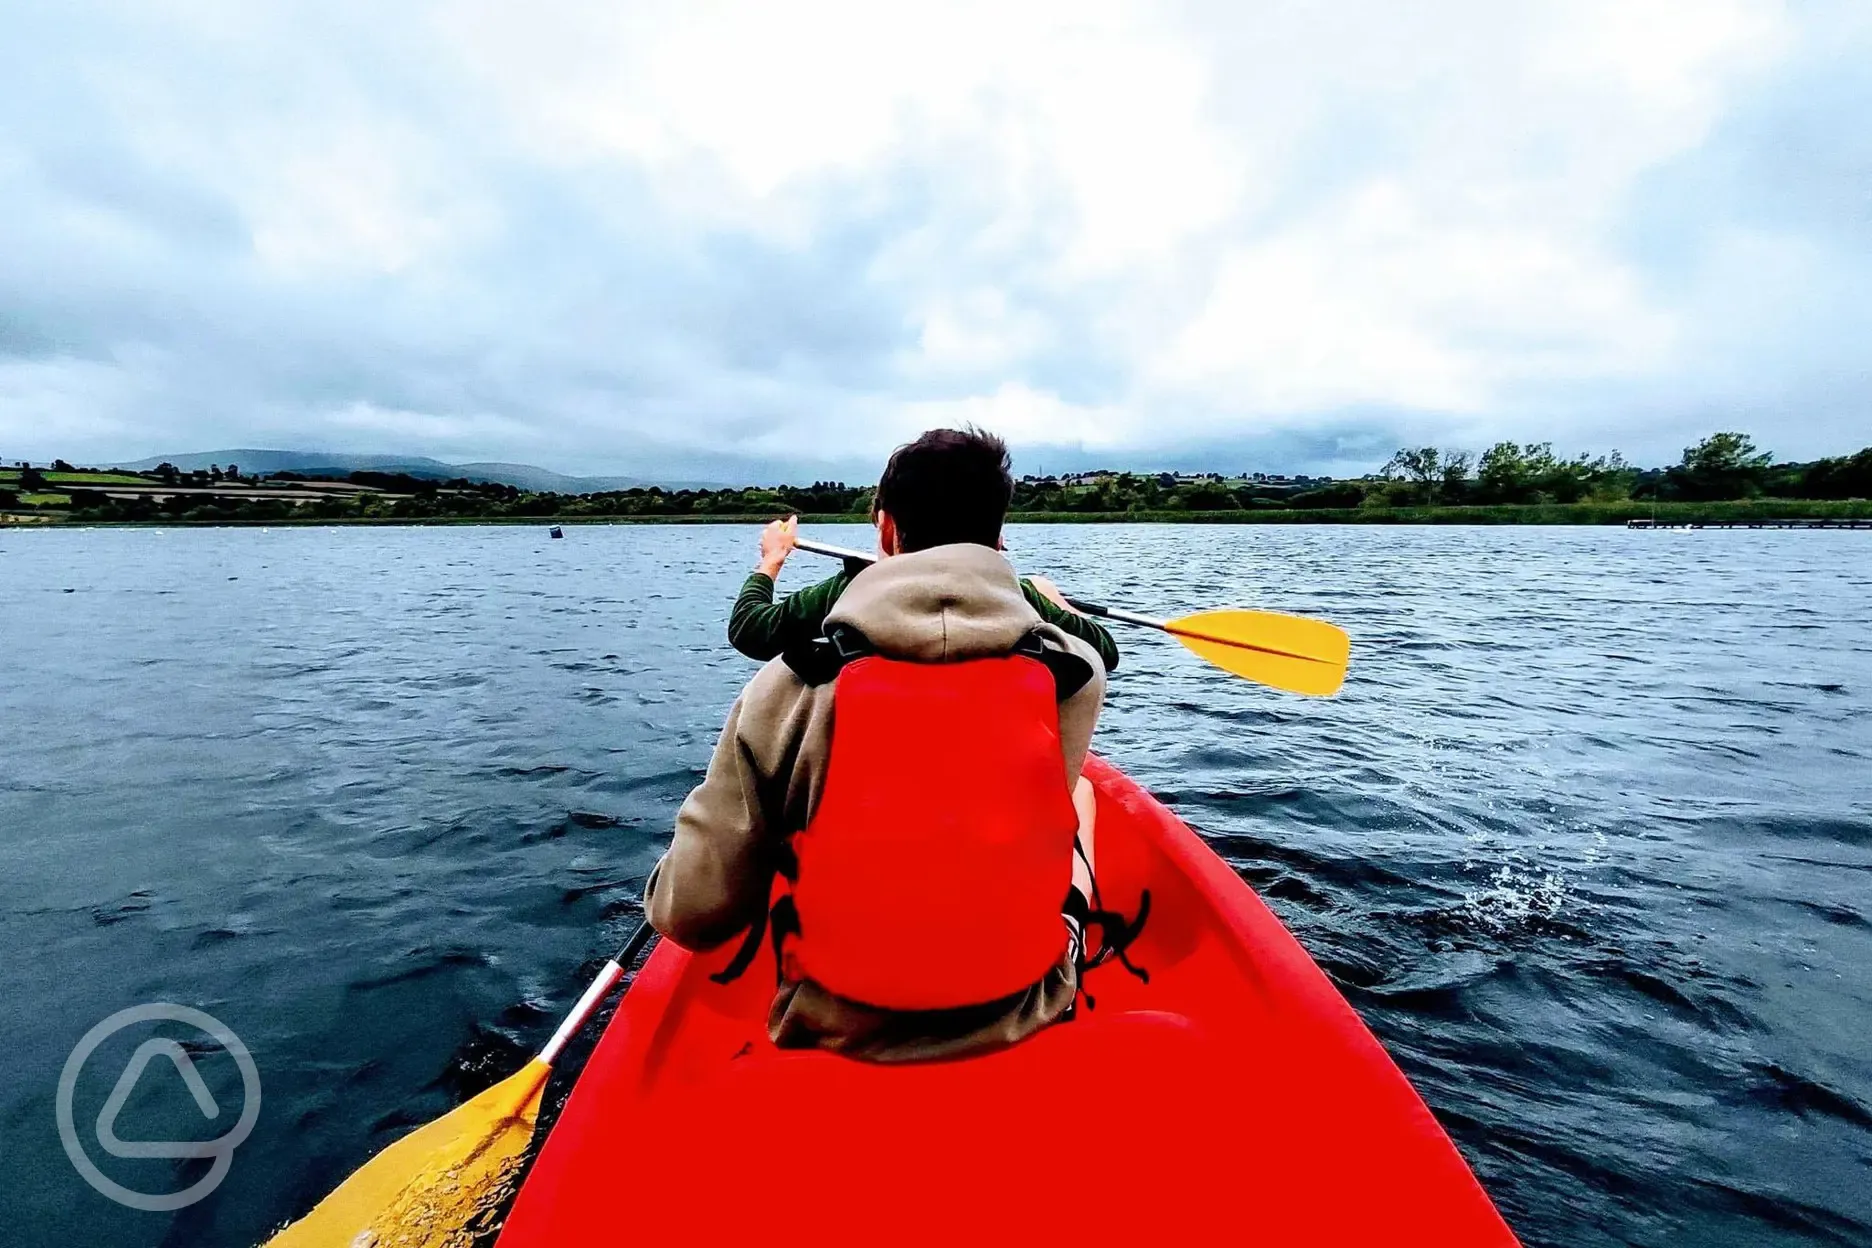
556,531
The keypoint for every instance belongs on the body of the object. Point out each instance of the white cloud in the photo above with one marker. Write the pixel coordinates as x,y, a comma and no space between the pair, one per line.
978,332
67,402
1478,257
1019,414
426,427
1371,302
737,111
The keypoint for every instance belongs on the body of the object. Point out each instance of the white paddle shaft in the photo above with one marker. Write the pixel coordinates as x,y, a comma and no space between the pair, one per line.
599,990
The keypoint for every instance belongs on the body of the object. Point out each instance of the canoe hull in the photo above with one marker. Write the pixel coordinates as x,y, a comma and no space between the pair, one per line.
1235,1097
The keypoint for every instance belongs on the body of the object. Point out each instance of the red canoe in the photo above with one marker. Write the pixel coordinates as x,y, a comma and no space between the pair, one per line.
1234,1098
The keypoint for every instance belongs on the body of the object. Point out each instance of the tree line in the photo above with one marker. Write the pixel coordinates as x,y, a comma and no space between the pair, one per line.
1723,466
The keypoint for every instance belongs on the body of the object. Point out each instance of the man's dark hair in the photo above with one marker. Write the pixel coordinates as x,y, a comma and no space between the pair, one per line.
950,485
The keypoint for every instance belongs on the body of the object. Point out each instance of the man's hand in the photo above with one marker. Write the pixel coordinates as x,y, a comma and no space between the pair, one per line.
1052,591
777,541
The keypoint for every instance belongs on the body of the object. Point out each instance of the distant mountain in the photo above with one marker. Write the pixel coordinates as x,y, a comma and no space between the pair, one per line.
258,461
544,480
522,476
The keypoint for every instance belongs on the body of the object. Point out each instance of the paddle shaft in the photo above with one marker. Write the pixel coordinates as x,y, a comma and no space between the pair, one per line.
600,989
1079,604
1174,627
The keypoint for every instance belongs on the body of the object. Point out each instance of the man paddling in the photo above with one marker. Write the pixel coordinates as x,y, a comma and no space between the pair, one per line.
761,628
895,807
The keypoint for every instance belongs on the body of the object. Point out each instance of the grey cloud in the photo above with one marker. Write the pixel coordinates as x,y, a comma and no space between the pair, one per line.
572,318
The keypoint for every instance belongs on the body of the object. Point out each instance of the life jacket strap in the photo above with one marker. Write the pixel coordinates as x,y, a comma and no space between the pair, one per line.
819,661
744,956
785,922
1070,672
786,864
1116,933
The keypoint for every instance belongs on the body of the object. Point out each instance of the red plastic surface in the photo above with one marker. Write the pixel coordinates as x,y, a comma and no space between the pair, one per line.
1235,1098
897,842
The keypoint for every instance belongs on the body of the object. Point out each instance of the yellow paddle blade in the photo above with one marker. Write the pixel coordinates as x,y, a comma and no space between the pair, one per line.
1288,652
437,1186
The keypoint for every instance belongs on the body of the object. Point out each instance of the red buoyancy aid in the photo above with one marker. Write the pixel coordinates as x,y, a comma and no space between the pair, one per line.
932,872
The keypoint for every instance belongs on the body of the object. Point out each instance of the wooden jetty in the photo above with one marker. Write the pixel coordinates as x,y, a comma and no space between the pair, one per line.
1862,522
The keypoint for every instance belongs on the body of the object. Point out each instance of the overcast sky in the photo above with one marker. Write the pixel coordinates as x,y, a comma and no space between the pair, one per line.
614,237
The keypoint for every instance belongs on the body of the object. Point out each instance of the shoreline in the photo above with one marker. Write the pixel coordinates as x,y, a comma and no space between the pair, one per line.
1562,514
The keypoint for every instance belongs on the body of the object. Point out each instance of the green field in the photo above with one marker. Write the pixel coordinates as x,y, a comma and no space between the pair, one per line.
79,478
96,478
45,500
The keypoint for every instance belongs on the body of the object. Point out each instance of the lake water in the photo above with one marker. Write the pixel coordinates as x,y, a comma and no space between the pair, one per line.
1587,839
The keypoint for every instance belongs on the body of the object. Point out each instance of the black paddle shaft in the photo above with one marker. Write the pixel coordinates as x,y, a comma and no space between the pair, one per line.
635,945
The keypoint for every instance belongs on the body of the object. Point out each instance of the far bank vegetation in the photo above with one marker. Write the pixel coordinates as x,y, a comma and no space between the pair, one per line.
1723,474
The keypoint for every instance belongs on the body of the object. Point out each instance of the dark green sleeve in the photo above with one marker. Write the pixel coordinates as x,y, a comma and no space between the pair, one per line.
1083,627
761,628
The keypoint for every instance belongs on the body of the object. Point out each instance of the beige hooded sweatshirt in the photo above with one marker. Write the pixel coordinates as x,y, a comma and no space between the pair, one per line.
764,781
